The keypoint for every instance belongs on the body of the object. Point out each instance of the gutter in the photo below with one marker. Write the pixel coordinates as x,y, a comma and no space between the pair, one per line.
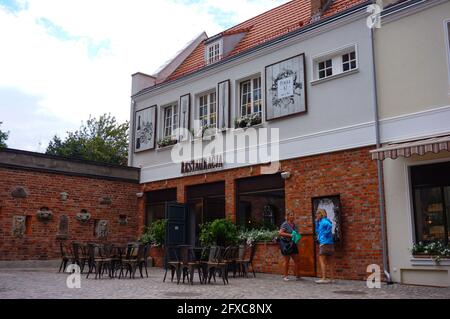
381,199
309,27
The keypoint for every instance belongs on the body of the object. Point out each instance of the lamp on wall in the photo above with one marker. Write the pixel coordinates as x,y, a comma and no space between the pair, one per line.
139,195
285,175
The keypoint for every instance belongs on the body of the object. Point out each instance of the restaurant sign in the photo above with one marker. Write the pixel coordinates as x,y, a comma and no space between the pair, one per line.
202,164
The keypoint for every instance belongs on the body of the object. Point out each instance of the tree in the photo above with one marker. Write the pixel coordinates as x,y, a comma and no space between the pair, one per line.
103,140
3,137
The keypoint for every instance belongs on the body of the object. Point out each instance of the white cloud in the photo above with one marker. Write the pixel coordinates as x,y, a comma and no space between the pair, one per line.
78,55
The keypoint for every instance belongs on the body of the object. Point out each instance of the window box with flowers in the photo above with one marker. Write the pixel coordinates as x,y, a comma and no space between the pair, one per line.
167,141
435,250
248,120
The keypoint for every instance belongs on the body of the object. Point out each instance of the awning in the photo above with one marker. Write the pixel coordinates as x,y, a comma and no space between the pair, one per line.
417,147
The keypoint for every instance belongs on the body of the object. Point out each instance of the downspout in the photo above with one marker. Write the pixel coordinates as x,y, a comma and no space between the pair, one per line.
131,132
381,200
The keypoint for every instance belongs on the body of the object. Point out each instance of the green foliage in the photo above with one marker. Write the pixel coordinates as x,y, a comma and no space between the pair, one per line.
435,248
155,233
166,141
250,236
3,138
103,140
221,232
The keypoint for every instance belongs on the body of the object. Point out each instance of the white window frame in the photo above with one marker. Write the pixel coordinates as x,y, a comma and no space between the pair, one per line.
447,48
209,103
174,119
217,47
252,101
336,57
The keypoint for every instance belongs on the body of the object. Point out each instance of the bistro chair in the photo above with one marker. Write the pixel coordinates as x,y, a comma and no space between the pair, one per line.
217,264
196,256
66,256
172,262
245,263
130,262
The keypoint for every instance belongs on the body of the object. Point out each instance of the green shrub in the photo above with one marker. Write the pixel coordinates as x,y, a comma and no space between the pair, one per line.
221,232
155,233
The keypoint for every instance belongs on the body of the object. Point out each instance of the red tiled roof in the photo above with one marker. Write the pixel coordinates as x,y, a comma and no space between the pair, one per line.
266,26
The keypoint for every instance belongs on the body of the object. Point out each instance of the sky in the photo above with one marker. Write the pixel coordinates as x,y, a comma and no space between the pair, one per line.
62,61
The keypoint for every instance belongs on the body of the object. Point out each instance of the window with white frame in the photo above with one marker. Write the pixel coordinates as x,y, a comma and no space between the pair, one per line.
335,63
207,110
349,61
325,68
213,52
170,120
250,97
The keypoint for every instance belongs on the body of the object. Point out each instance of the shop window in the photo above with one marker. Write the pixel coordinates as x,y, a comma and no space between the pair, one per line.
155,204
431,199
261,202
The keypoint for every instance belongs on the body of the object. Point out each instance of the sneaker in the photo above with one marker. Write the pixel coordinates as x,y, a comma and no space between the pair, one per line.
323,281
286,279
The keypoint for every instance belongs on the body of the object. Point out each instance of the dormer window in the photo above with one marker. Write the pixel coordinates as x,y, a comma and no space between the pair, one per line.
213,52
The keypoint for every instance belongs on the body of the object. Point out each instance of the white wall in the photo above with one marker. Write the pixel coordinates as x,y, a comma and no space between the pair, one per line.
340,111
400,229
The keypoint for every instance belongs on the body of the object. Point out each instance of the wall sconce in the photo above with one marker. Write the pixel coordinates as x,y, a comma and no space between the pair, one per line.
285,175
139,195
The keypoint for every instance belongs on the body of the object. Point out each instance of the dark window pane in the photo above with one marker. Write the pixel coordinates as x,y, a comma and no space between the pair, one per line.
321,65
328,63
329,72
352,56
321,74
345,58
447,209
346,67
429,212
354,65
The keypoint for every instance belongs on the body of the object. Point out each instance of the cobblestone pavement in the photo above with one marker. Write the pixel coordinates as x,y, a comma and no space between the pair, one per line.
46,283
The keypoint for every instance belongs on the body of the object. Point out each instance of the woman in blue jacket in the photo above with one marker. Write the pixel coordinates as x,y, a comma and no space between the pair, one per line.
324,230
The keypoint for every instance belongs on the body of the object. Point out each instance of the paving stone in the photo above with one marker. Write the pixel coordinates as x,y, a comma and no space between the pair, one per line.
47,283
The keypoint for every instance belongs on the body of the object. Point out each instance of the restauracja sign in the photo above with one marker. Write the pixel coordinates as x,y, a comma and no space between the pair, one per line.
202,164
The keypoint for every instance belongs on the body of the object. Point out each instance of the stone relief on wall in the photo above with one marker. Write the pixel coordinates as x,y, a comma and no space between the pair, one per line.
101,229
63,227
19,226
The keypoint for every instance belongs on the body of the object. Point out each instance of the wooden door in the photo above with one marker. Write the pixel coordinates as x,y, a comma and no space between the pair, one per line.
307,256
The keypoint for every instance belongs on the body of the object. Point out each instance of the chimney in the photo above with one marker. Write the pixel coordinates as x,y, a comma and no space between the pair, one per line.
318,7
140,81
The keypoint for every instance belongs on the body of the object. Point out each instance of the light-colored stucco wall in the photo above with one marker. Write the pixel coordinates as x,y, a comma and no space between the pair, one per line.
411,53
340,112
412,62
399,221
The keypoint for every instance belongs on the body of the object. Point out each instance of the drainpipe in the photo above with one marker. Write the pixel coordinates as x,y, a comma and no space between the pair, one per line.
131,132
381,201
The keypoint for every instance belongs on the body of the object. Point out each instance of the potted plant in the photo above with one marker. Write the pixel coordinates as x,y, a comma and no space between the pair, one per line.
248,120
435,250
251,236
220,232
167,141
154,235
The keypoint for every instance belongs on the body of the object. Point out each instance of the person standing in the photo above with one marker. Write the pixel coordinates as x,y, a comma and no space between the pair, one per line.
324,231
288,228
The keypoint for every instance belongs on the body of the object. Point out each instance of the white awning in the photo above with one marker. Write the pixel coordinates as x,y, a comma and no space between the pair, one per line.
417,147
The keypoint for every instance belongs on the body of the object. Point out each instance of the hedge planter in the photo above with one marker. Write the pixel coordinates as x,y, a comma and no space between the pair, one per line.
157,253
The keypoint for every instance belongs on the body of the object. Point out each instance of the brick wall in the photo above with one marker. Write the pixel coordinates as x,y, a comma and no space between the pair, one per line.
351,174
43,189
